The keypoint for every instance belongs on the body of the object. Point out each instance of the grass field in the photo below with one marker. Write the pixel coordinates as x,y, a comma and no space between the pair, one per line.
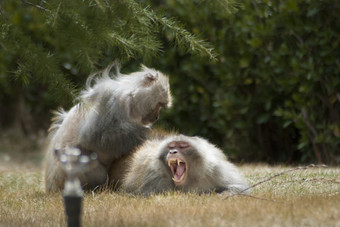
301,197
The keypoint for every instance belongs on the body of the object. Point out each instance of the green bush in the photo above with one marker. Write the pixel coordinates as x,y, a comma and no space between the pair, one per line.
274,93
48,48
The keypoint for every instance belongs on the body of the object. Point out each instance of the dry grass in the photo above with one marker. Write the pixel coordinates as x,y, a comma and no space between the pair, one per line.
300,198
308,197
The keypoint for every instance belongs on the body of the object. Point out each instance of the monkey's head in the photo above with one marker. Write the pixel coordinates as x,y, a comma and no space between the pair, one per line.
151,93
137,97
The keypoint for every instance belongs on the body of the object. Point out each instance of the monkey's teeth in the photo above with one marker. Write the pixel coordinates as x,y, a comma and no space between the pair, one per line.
170,162
178,162
174,179
177,181
181,178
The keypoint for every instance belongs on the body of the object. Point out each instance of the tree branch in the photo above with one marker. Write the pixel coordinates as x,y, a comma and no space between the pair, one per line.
276,175
36,6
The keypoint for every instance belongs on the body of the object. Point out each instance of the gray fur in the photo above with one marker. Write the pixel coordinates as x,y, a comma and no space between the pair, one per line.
209,170
146,172
112,118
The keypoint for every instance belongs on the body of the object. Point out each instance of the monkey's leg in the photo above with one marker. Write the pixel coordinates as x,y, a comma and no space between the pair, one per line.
96,176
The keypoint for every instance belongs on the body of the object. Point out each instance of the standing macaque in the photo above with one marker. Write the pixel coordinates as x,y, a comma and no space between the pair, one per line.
112,118
178,162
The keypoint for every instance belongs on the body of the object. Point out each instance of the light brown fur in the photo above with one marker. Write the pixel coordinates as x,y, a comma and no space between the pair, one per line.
147,171
113,117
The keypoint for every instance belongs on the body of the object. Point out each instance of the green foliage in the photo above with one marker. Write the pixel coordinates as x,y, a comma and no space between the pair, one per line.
48,48
273,95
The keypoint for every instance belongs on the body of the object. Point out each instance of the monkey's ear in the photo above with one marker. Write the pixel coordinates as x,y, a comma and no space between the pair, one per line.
149,79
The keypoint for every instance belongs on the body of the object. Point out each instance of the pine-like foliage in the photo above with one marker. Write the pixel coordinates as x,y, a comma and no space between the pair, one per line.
273,94
47,48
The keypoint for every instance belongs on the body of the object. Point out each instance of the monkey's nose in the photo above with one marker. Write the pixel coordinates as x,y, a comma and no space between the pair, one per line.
173,151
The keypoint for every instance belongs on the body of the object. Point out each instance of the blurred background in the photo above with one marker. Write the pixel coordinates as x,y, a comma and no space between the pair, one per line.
259,78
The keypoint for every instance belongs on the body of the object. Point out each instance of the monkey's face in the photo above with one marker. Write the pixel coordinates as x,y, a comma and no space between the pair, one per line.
178,161
153,115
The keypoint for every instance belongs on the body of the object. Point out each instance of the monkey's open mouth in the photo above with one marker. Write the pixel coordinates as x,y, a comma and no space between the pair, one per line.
178,169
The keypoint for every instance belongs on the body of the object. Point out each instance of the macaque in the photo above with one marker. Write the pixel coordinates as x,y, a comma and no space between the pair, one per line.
112,118
178,162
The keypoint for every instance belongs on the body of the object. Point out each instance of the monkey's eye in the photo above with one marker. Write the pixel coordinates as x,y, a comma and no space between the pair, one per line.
179,145
172,145
183,145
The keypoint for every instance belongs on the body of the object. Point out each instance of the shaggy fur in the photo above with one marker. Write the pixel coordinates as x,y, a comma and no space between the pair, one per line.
112,118
147,170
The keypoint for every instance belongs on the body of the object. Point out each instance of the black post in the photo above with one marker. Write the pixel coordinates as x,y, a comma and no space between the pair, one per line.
74,164
73,208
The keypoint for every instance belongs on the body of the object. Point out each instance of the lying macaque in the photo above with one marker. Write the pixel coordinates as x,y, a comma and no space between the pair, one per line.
177,162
